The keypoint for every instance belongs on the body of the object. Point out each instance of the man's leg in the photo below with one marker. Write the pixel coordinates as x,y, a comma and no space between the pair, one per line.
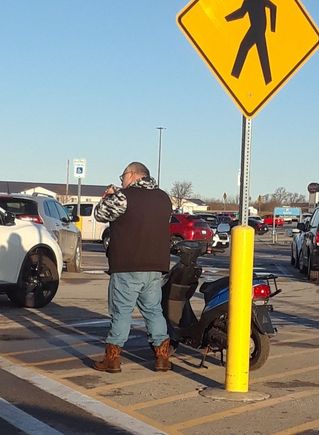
149,303
122,293
124,289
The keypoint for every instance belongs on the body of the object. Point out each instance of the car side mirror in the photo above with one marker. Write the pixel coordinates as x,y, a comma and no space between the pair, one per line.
9,218
73,218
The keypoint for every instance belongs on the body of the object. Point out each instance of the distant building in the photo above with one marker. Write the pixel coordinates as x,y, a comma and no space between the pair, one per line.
89,193
189,205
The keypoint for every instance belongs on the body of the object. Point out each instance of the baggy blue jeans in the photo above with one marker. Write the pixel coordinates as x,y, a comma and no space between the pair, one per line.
127,290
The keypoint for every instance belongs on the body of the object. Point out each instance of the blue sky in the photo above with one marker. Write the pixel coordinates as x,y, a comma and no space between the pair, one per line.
94,78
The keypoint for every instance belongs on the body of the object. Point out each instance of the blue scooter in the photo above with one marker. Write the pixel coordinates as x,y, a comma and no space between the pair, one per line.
209,332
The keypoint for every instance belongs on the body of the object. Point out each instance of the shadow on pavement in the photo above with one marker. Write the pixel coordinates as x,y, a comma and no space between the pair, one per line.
136,349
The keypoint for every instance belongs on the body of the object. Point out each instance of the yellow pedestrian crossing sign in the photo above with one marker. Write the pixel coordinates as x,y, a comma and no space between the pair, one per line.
252,46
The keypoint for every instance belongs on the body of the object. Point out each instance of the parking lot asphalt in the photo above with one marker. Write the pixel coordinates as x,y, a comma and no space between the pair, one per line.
59,342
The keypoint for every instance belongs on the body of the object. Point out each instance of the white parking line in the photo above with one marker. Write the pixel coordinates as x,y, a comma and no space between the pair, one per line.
135,322
94,407
23,421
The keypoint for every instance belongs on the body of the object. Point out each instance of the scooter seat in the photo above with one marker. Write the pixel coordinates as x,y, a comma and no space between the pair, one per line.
210,288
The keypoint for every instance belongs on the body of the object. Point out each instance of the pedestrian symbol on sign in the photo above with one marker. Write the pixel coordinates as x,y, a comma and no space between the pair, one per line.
256,10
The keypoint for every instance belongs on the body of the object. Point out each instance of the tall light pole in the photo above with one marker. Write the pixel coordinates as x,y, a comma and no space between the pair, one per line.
159,153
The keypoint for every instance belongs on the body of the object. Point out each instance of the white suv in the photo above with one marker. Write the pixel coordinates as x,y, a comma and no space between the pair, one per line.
43,209
30,262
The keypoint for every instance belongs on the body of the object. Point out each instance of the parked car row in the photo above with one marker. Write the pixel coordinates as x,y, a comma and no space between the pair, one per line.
259,226
305,246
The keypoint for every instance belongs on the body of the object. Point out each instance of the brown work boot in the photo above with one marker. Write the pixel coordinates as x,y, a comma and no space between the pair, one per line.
111,362
162,362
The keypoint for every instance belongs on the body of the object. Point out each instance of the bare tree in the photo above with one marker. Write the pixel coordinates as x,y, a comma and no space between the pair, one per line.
268,202
181,191
294,198
280,196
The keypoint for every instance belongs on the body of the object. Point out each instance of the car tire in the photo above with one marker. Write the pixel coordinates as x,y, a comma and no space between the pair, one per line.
37,284
292,258
297,260
301,266
312,275
75,264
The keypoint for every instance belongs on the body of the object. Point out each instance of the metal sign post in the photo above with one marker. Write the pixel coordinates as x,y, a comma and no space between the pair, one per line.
245,171
79,173
78,210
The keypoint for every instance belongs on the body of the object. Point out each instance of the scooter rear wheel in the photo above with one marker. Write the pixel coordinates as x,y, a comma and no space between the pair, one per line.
259,350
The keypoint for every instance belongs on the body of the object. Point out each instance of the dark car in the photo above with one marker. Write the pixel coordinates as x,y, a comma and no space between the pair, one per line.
221,230
225,219
210,218
309,252
259,227
185,226
296,242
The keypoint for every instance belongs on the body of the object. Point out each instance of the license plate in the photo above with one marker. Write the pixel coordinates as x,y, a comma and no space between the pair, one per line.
204,232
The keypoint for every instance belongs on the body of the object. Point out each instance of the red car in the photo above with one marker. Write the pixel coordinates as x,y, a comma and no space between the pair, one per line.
185,226
269,220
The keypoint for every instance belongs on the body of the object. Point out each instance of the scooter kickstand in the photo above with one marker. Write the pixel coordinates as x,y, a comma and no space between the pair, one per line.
204,355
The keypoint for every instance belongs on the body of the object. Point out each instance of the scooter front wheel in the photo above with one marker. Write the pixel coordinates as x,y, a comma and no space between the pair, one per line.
259,348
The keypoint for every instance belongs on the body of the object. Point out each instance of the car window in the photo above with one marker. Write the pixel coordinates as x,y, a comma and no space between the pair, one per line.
61,211
174,220
70,209
192,217
86,209
19,206
51,210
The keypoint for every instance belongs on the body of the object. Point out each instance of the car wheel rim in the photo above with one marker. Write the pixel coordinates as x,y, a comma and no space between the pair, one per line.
37,279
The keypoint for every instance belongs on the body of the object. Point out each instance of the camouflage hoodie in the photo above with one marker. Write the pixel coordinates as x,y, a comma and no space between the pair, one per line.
113,206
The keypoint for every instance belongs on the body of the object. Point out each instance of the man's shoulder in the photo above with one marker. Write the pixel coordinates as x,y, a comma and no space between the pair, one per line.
146,194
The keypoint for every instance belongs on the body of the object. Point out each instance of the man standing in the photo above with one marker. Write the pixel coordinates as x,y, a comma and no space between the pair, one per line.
138,253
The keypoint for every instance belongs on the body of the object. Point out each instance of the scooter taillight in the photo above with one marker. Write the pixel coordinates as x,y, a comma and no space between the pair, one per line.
31,218
261,291
317,238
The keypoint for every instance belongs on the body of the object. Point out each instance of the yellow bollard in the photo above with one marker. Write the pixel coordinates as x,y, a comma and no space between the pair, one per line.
239,316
